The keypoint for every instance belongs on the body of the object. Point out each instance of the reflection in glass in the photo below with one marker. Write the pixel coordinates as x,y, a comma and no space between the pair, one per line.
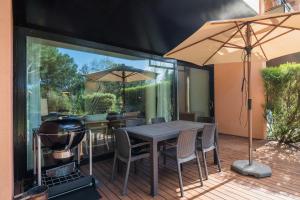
59,83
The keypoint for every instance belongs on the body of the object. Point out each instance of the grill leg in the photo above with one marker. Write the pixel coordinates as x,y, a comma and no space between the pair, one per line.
90,152
39,160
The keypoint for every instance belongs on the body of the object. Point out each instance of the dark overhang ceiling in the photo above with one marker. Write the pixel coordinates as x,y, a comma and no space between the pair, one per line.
153,26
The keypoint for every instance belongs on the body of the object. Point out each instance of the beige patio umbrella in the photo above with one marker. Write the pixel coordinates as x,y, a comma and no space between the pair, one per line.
258,38
122,73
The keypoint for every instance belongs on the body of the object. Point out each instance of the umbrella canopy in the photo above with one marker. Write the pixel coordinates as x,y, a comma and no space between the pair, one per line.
216,42
247,39
123,74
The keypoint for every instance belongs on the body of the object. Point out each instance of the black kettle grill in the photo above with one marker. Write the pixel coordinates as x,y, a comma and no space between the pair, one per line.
62,135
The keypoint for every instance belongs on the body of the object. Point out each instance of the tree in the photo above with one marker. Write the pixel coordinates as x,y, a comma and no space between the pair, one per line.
59,72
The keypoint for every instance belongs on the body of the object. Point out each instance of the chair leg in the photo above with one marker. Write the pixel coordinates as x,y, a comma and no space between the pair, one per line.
218,158
180,179
126,178
205,165
135,167
199,168
106,138
114,167
165,158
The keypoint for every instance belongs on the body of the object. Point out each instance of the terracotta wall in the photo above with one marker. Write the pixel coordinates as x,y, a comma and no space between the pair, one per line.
6,142
228,100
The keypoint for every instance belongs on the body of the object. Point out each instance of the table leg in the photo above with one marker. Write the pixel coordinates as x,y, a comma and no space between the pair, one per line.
154,171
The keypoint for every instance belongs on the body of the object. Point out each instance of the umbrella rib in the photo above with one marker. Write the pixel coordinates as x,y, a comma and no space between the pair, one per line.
273,38
257,40
201,40
287,27
240,32
275,27
131,74
116,74
233,45
222,45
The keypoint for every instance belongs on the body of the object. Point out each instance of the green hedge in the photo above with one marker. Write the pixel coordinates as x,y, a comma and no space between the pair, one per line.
135,96
58,102
99,102
282,108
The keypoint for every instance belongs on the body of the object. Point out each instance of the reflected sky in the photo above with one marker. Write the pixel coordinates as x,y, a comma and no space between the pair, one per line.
81,58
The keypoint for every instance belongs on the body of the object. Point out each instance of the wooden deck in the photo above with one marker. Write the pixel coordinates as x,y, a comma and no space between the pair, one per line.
284,183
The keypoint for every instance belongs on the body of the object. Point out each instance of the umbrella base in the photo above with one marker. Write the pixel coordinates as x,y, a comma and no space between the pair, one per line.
256,169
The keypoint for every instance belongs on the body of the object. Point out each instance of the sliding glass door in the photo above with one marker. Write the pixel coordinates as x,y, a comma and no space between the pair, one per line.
196,91
66,79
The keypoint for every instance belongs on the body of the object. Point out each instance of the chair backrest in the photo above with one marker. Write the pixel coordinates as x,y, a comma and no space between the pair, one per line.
186,143
134,122
187,116
157,120
123,146
208,136
206,119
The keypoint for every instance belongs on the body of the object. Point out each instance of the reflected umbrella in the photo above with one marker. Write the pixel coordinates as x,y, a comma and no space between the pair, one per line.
121,73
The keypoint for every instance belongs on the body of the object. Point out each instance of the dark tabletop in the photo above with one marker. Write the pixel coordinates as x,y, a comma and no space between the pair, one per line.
163,131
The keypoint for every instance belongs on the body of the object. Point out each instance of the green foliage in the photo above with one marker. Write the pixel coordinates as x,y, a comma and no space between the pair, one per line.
58,102
99,102
282,108
135,96
59,72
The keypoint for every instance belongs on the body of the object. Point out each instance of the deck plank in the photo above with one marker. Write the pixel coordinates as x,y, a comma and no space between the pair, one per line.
283,185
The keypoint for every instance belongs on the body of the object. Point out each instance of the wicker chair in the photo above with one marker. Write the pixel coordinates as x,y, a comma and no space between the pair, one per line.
124,152
207,142
184,151
158,120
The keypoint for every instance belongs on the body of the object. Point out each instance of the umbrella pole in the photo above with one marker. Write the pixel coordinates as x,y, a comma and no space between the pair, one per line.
249,103
123,81
250,167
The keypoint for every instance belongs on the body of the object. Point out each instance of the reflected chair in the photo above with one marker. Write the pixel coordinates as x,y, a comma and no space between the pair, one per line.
187,116
184,151
208,142
126,153
205,119
157,120
134,122
99,126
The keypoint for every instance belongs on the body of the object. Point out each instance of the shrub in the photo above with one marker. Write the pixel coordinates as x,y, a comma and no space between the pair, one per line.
135,96
282,108
99,102
58,102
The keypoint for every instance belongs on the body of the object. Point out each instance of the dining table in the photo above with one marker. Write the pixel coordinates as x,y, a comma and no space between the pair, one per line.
156,133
